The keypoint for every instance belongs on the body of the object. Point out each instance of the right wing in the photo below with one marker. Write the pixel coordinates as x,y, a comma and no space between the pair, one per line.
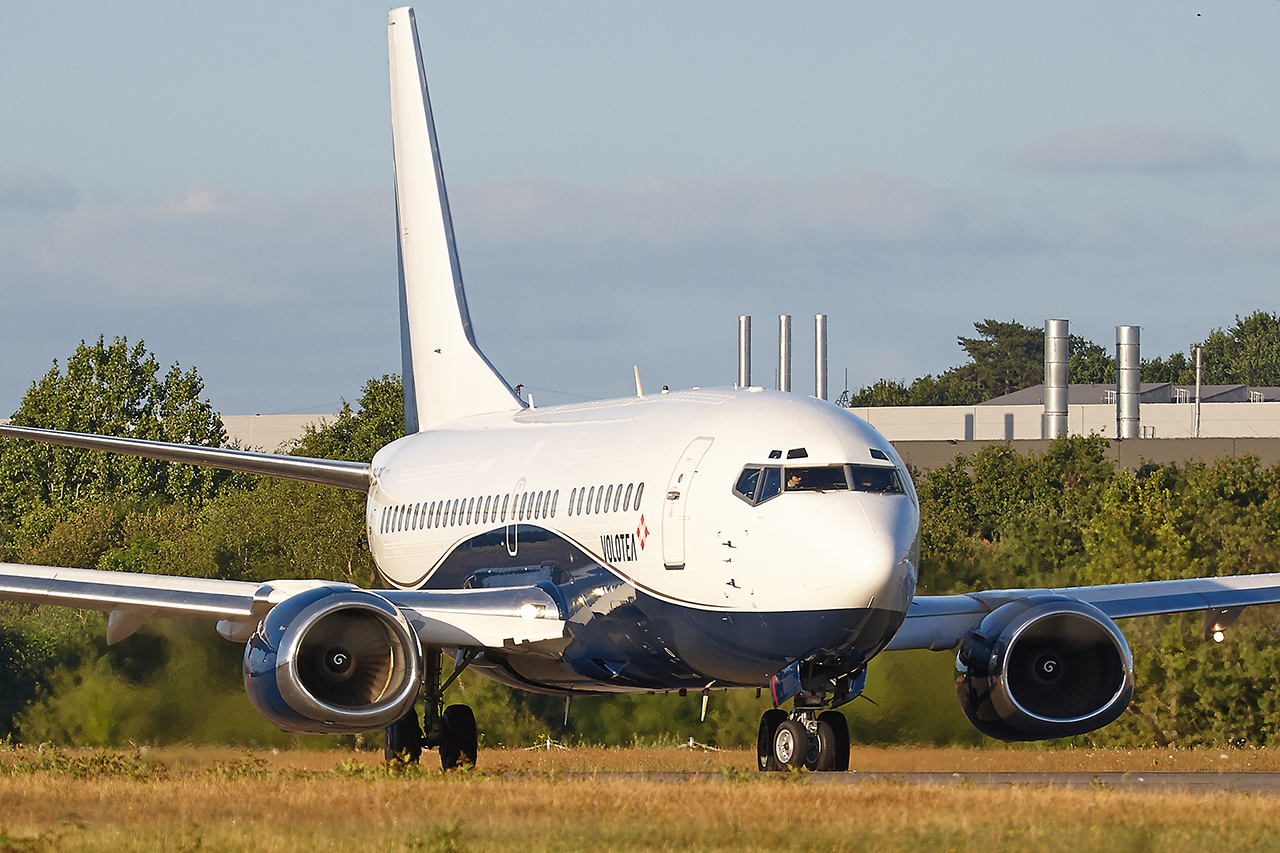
356,476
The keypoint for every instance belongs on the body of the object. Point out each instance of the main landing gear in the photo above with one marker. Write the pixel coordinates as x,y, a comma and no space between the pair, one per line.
808,737
451,729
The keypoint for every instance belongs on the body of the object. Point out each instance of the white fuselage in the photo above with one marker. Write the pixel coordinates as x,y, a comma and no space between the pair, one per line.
644,488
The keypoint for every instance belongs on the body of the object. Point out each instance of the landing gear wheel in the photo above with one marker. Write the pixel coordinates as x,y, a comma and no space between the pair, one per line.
404,737
458,740
840,740
769,722
790,745
822,749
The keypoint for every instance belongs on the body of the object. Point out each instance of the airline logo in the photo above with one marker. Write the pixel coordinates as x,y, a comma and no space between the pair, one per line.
642,533
619,547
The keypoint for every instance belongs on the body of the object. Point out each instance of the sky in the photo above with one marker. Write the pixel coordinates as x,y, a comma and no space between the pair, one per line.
626,179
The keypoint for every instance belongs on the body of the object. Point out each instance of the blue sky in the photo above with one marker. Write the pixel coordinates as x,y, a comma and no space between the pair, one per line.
627,178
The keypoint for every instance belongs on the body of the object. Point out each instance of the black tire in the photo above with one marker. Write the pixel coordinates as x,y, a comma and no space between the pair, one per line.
769,722
822,749
403,739
459,742
840,742
791,745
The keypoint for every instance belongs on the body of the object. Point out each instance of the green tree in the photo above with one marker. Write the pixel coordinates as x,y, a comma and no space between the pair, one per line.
1006,356
1089,363
109,389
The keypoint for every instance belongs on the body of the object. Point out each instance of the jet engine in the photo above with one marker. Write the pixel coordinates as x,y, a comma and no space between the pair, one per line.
333,660
1044,667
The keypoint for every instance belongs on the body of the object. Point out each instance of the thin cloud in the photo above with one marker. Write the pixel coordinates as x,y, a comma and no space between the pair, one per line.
35,193
1135,149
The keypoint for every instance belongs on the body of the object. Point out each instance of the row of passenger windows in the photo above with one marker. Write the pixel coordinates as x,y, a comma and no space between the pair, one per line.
485,510
595,499
499,509
757,484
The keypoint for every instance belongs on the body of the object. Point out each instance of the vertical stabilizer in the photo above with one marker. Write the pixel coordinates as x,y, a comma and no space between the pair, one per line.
446,377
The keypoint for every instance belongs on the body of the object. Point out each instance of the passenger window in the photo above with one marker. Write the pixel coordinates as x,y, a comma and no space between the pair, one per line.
830,478
626,502
599,498
484,514
617,498
608,498
555,498
591,496
581,494
569,506
639,492
537,507
874,478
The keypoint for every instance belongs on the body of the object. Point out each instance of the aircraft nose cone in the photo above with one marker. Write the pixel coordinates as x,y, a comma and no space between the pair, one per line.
869,559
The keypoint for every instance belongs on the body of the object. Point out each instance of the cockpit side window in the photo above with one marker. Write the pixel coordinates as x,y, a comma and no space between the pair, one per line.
875,478
745,488
757,484
829,478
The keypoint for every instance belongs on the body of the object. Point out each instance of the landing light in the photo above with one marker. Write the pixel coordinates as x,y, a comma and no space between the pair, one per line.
530,611
1219,636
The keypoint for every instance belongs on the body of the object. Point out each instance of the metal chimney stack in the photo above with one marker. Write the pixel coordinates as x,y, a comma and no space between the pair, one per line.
1057,377
784,352
820,356
1128,383
744,350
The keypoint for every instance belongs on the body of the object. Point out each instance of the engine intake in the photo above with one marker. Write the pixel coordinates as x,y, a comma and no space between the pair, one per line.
333,660
1044,667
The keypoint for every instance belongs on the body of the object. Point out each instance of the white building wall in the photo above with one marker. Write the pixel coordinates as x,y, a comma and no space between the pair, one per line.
1159,420
269,432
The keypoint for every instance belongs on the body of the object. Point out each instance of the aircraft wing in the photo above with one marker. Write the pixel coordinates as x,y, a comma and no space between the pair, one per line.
940,622
356,476
489,618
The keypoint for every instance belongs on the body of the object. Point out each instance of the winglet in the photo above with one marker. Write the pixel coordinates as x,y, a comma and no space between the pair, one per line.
446,377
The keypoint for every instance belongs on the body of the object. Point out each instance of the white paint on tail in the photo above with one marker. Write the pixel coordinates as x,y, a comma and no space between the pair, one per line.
446,377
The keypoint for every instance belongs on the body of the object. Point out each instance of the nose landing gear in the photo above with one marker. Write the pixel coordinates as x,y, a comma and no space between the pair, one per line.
809,737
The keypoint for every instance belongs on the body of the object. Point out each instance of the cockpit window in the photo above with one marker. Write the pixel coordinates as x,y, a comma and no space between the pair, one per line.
747,482
770,484
830,478
874,478
758,483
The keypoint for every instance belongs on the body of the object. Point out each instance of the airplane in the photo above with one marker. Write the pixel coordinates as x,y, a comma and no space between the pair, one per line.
688,541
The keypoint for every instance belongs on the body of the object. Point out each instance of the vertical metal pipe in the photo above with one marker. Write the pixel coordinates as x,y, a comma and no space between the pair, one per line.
784,352
820,356
744,350
1195,427
1057,377
1128,381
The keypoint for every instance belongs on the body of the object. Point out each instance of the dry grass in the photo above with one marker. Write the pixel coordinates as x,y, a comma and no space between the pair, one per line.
176,799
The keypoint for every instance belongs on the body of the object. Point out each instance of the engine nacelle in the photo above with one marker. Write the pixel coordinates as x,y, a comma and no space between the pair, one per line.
1044,667
333,660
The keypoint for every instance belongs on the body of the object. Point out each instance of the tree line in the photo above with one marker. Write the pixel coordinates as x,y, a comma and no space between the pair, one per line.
1007,356
994,519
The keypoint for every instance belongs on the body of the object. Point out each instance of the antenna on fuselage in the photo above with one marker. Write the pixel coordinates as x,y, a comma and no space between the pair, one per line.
639,387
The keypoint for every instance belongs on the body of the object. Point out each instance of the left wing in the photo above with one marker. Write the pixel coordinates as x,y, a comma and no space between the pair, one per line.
356,476
481,618
941,622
